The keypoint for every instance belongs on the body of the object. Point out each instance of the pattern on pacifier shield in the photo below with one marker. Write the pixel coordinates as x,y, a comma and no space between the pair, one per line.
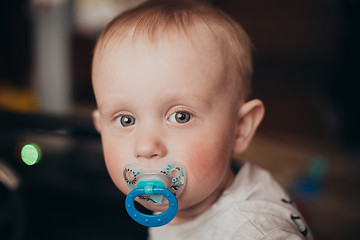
130,176
177,176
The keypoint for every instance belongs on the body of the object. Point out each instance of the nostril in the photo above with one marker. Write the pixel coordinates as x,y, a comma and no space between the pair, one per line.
154,155
150,156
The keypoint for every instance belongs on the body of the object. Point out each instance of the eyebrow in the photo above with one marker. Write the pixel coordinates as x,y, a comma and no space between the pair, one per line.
114,104
194,98
110,106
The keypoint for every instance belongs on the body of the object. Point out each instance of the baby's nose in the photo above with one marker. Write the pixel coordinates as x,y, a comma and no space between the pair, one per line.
149,145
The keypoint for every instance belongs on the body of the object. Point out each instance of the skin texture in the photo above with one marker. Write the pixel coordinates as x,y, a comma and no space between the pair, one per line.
151,83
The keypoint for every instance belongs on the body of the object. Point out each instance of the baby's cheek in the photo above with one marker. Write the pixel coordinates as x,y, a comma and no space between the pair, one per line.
204,172
113,170
202,162
196,155
113,163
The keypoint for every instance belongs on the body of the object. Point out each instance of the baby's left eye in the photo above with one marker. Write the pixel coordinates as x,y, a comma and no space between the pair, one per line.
180,117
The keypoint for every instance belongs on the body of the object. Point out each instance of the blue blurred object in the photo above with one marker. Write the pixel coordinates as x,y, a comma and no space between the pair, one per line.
309,186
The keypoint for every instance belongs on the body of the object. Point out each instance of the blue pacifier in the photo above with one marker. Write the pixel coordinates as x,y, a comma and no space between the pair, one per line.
159,186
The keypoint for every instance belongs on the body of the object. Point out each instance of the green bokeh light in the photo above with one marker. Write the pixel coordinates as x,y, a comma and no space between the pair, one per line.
30,154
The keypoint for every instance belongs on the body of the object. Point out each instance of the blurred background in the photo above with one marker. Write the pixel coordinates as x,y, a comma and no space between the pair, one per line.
53,181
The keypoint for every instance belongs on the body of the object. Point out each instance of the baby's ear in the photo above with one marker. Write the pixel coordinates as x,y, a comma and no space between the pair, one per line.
249,117
96,118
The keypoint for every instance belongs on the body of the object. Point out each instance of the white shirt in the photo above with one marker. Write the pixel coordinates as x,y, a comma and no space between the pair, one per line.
253,207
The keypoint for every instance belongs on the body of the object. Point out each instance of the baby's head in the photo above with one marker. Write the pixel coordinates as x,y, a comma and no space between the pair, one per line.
171,80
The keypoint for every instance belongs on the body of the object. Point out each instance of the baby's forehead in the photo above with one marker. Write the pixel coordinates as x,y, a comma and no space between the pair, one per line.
180,45
195,43
196,54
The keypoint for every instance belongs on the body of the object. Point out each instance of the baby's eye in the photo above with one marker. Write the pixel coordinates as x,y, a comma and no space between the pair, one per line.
180,117
125,120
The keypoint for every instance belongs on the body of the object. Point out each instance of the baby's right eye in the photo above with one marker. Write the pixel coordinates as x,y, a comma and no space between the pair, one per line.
125,121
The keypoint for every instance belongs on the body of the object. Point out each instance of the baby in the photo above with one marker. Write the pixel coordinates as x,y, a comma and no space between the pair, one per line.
172,83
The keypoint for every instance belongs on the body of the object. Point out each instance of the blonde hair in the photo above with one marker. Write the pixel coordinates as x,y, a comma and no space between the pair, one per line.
154,18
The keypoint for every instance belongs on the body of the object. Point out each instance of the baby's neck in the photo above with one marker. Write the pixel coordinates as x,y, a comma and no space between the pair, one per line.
192,212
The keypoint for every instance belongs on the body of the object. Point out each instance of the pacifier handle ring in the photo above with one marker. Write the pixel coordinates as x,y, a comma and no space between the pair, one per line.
152,220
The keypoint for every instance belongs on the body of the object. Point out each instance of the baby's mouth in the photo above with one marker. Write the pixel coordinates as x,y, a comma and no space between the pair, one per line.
171,176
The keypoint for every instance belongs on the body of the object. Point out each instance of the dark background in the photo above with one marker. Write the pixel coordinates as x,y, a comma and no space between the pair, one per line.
306,58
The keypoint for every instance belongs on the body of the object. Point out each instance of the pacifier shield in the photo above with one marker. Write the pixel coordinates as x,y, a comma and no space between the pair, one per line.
172,175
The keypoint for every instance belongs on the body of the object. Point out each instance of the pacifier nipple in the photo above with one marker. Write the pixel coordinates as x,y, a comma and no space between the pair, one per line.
158,186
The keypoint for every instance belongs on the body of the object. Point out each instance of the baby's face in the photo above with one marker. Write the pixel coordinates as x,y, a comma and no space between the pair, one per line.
166,102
